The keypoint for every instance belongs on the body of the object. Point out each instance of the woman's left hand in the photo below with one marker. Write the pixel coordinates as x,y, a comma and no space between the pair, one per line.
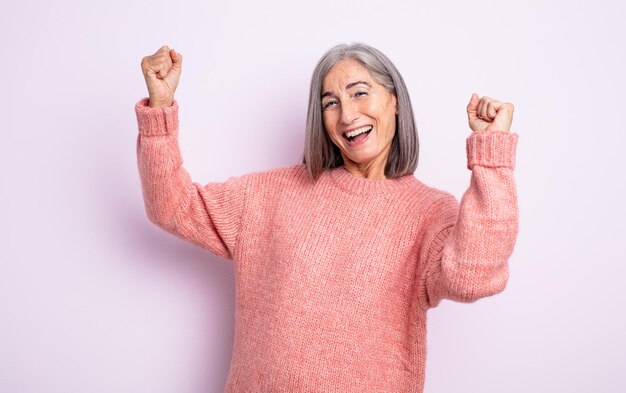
487,114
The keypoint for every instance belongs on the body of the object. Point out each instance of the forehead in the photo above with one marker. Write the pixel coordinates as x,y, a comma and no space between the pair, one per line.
344,72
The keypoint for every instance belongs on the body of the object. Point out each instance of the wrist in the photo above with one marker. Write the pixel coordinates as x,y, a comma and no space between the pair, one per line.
156,120
160,103
491,149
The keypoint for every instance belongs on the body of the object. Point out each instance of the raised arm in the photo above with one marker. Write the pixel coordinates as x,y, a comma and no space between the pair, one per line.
206,215
468,245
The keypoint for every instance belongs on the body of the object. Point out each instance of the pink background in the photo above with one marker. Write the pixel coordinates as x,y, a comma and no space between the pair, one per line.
94,298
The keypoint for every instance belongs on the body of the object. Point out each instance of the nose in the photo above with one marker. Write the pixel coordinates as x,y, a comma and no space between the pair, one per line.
349,112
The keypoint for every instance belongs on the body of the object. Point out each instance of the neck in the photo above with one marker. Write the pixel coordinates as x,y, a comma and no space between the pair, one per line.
371,170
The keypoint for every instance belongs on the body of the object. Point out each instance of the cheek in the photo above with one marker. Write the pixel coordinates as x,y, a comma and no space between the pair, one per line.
384,115
328,129
329,124
325,122
392,126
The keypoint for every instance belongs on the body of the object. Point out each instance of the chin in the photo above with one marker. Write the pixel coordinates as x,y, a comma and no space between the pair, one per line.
361,158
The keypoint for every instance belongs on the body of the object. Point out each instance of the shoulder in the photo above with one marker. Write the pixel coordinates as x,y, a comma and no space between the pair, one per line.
435,201
294,175
440,206
428,195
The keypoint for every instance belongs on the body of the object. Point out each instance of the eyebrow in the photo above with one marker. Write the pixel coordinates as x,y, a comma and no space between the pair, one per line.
348,86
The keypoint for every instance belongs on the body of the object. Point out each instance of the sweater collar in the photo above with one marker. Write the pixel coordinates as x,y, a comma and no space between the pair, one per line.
358,185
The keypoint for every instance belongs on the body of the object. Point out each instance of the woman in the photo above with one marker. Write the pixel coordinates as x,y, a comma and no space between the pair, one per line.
338,259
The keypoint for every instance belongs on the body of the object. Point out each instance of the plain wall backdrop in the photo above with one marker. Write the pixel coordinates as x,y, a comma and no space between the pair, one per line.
95,298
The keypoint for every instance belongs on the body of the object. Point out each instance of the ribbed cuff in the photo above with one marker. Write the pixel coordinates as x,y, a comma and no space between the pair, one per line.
157,121
491,149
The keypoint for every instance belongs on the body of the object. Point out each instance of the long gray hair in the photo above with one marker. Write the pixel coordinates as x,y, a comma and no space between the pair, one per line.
320,153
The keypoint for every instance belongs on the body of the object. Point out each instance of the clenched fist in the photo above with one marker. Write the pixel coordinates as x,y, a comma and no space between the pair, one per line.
487,114
162,73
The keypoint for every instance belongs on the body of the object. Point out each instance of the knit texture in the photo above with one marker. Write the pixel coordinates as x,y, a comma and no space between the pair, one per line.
334,277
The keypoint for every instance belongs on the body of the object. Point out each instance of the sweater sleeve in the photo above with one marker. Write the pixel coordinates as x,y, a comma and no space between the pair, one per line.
468,245
206,215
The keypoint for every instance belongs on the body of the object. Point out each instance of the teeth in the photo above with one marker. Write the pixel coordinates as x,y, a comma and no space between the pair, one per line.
358,131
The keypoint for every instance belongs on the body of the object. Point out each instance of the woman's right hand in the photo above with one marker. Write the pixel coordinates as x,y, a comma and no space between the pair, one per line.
162,73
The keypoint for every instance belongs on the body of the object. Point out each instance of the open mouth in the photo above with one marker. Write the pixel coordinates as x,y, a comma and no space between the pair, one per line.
352,135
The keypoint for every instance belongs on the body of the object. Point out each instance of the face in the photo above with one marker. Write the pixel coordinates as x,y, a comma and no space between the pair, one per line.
359,116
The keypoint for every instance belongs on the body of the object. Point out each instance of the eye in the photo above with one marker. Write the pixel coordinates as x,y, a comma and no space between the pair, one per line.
329,104
360,93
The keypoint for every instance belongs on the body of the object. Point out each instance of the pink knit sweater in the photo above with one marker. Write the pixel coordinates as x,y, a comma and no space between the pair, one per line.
334,277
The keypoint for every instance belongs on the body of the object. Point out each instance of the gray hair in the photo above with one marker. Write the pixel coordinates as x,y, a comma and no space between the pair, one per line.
320,153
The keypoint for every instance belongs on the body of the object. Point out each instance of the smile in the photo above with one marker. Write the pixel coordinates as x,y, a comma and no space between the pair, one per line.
350,135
